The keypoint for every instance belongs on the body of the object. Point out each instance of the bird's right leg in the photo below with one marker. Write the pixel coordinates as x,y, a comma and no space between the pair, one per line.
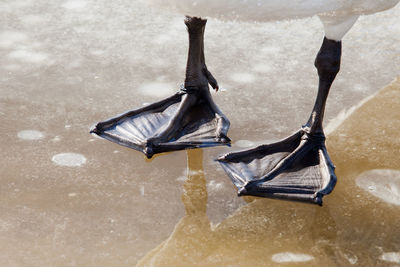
198,76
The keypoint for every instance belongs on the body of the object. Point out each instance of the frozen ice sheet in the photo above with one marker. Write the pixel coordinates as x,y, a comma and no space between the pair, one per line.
72,63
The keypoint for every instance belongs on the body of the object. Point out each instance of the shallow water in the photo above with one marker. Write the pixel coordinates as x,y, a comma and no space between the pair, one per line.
68,198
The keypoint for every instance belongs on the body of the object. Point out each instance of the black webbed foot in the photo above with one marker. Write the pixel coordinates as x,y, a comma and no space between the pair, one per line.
297,168
144,129
188,119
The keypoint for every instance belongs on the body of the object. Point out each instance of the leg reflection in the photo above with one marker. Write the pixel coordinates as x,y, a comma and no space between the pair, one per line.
192,239
194,196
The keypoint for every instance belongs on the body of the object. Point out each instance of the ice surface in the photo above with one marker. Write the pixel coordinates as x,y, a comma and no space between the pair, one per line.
286,257
30,135
243,77
214,186
69,159
384,184
244,143
28,56
74,4
11,38
77,62
157,89
391,257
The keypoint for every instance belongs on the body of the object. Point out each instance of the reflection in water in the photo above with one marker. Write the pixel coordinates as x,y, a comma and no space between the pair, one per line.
351,228
192,235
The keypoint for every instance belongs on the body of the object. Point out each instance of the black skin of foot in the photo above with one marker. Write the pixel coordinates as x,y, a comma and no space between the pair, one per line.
197,79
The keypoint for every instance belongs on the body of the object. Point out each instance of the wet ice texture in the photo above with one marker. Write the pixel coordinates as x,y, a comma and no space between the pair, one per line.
384,184
68,63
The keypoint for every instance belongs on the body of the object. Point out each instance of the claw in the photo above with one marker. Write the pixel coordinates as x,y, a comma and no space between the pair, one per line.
223,138
148,150
211,80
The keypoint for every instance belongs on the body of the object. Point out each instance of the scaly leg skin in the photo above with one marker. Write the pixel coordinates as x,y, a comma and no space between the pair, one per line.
222,120
196,83
298,152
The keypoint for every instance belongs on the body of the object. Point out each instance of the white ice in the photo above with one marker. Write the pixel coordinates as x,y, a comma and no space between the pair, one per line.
30,135
157,89
243,77
69,159
28,56
74,5
244,143
10,38
391,257
384,184
214,186
286,257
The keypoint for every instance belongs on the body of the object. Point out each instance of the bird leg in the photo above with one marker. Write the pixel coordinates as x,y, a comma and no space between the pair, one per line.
198,76
299,166
327,63
196,84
